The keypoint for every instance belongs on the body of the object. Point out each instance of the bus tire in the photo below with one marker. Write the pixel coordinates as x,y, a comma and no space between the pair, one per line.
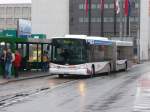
126,66
61,76
93,70
109,69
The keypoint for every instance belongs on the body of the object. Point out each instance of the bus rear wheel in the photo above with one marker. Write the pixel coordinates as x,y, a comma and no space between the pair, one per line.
126,66
93,71
61,76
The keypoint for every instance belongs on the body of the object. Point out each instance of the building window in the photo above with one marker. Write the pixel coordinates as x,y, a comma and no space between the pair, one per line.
105,19
94,6
81,6
98,20
86,20
123,19
10,12
10,21
136,19
136,5
18,12
93,20
81,20
111,6
118,19
2,21
98,6
132,19
108,19
106,6
2,12
26,12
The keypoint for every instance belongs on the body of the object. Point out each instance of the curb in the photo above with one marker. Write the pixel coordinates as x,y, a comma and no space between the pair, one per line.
24,78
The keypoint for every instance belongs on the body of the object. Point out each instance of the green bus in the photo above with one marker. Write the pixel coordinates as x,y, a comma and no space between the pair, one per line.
31,50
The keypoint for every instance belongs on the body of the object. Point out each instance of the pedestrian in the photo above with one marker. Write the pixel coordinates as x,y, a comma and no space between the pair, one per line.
2,62
8,63
17,63
45,62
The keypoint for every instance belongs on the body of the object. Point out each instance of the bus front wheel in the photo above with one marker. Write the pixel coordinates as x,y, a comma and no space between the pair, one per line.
126,66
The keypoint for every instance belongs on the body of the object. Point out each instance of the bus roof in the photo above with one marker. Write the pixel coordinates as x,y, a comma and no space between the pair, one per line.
97,40
90,39
123,43
83,37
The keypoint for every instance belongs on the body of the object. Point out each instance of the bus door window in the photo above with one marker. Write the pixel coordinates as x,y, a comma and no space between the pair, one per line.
108,53
102,52
90,52
118,54
124,52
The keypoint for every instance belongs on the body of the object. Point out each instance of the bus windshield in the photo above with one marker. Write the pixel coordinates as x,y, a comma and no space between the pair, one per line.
68,51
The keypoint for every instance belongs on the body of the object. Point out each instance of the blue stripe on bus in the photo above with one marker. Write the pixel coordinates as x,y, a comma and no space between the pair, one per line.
99,42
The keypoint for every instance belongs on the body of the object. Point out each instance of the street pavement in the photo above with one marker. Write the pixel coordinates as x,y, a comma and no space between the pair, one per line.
118,92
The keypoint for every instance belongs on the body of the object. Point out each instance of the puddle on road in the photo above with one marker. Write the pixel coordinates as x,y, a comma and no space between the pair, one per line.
1,104
142,101
20,97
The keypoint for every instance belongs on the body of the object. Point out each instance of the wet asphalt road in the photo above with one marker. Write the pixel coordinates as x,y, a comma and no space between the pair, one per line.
118,92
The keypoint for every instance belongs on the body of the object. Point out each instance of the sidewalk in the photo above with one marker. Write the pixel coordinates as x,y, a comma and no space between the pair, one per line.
24,76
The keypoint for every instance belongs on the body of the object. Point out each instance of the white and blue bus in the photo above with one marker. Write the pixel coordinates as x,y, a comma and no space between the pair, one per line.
84,55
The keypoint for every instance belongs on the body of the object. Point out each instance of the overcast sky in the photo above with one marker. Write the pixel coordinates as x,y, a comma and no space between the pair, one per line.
14,1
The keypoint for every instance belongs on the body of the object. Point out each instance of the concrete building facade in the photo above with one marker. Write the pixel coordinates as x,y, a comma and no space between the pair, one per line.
79,20
11,12
50,17
145,30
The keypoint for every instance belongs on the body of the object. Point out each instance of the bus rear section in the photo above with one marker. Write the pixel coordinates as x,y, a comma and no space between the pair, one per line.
124,58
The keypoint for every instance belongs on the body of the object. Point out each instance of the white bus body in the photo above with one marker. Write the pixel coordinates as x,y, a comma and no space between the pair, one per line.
86,56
